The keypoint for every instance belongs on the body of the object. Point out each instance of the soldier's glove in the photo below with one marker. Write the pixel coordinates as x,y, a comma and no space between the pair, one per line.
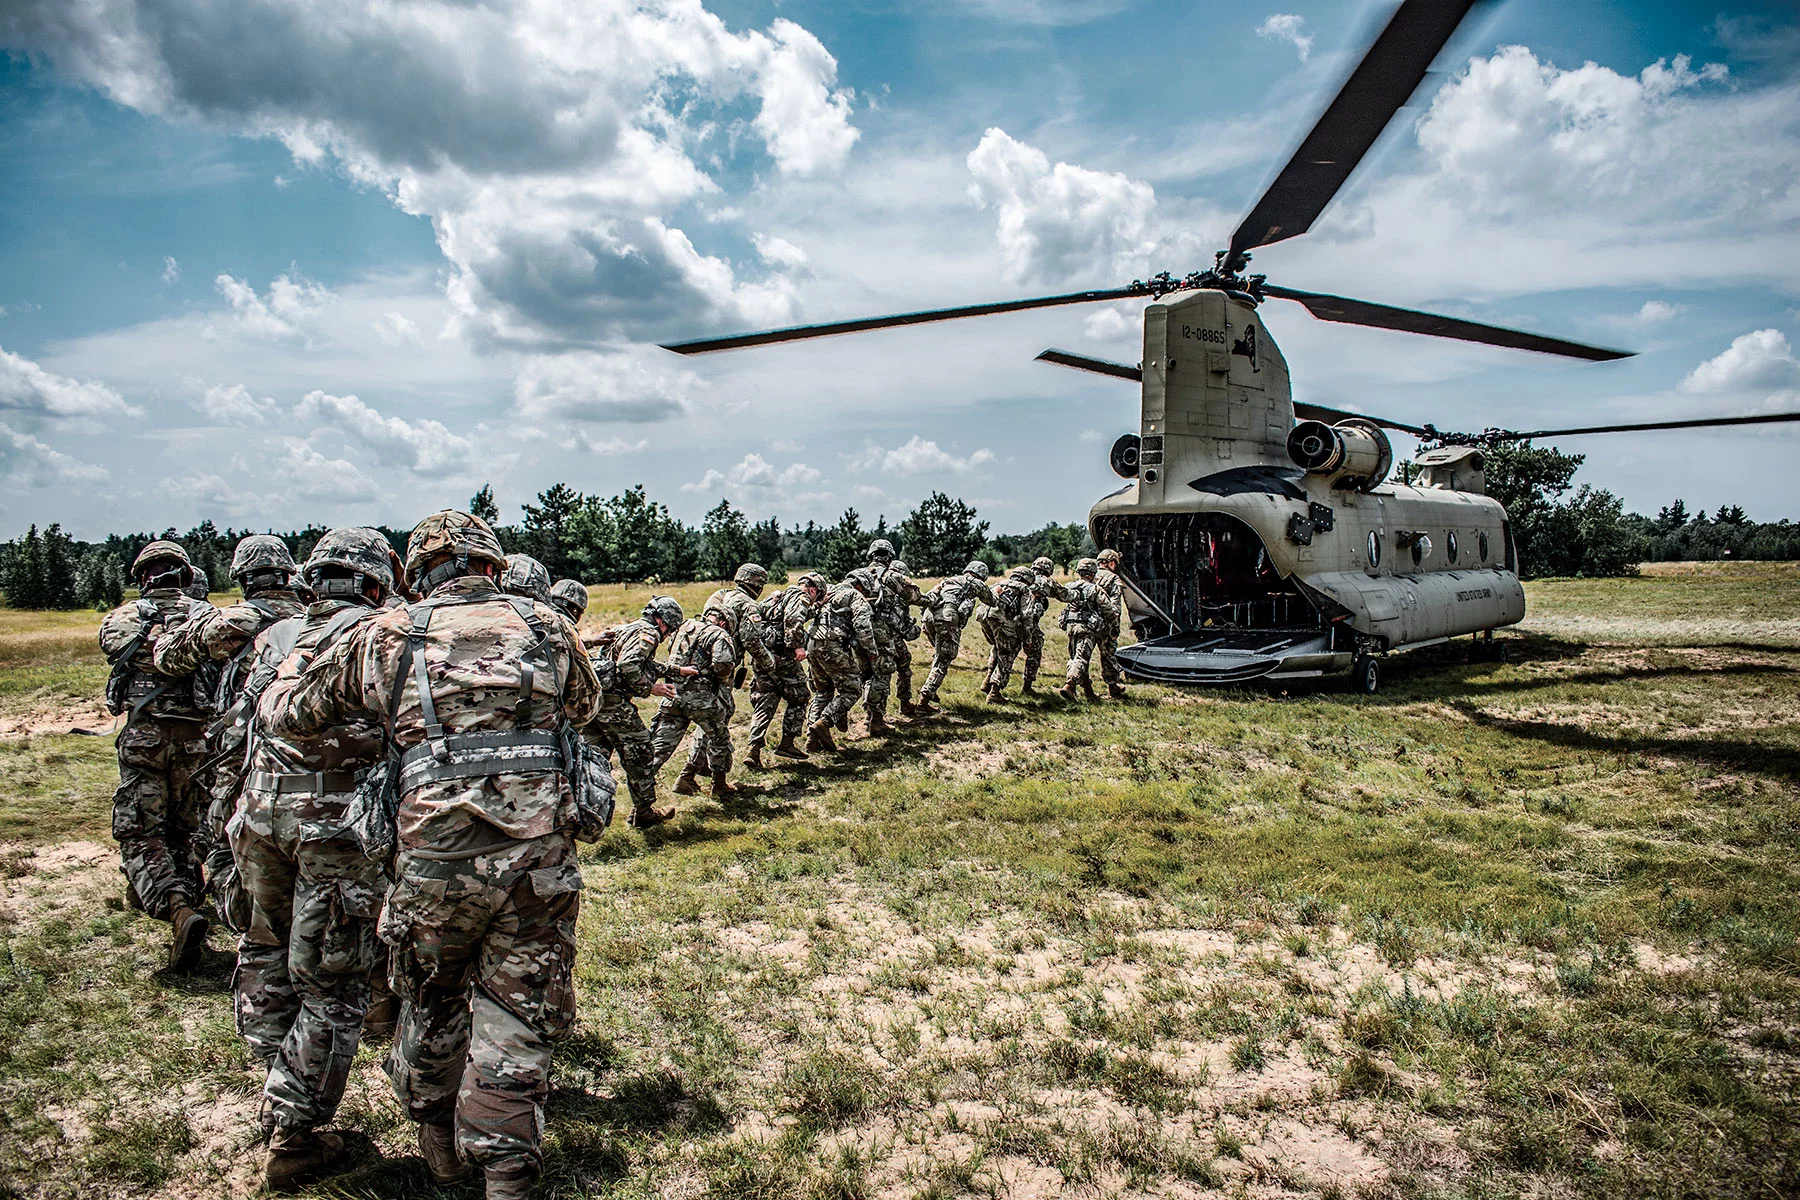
738,677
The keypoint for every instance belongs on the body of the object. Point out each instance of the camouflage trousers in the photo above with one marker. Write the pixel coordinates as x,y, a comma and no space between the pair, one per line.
1106,644
708,708
1007,641
618,726
837,680
156,816
483,963
768,690
304,959
1034,651
895,659
1081,655
946,644
217,785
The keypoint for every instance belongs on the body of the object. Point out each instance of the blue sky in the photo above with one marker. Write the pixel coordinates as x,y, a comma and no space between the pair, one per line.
270,263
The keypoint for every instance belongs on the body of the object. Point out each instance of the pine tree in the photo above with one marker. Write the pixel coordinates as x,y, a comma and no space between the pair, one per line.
23,580
727,534
482,505
59,570
546,527
846,546
765,548
942,535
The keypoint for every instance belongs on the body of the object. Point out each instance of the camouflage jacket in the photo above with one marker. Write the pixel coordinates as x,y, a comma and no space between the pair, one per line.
951,601
1014,606
1083,611
219,635
893,607
120,627
785,617
1038,602
700,643
746,624
635,664
474,652
1112,598
336,752
846,616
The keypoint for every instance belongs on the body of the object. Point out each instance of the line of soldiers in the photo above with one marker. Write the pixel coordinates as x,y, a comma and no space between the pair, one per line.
376,768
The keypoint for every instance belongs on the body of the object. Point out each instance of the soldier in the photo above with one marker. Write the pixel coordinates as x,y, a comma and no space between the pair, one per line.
786,615
263,567
570,598
1084,621
526,576
1033,623
840,655
156,817
745,623
703,698
475,688
1112,601
626,662
1015,605
894,628
303,985
947,609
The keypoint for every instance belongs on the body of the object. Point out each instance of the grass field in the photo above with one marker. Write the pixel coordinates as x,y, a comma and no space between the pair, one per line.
1503,929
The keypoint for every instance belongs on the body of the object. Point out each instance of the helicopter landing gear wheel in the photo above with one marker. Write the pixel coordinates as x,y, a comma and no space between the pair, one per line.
1365,675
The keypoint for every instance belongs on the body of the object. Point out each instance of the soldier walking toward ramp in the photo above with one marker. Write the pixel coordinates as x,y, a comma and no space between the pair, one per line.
1084,623
263,567
786,616
703,698
840,656
156,817
1112,603
625,662
1015,604
308,947
948,607
1033,622
743,619
476,689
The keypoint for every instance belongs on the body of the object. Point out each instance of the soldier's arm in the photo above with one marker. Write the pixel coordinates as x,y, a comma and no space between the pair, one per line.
754,645
329,691
636,663
724,660
207,635
862,620
581,693
123,624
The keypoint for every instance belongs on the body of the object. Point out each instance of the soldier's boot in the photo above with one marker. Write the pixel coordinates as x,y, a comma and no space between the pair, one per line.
786,748
1067,690
1116,691
755,758
908,708
722,786
437,1146
843,721
878,726
645,816
927,703
1028,687
189,936
818,737
688,784
510,1180
299,1155
1087,687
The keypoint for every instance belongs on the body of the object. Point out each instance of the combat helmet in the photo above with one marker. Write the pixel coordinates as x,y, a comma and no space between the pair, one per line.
360,555
465,539
261,561
163,551
816,579
1043,566
1108,558
526,576
978,569
862,580
754,576
881,548
1086,567
665,609
570,598
1023,575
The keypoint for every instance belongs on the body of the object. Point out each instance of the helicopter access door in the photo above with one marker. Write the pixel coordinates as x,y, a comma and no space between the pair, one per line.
1209,607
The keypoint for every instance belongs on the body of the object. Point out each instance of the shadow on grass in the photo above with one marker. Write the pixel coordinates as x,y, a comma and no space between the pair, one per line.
1760,758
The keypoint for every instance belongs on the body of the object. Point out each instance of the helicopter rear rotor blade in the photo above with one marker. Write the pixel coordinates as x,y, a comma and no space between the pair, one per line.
1320,412
797,333
1384,316
1389,73
1098,366
1698,423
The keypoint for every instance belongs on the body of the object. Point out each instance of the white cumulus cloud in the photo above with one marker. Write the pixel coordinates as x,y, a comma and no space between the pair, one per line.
27,462
916,457
28,389
285,312
234,405
1758,364
171,270
1287,27
755,480
424,447
623,385
1655,312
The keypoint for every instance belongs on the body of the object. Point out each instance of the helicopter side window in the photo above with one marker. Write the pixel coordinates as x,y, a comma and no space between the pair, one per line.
1450,545
1374,549
1482,546
1421,548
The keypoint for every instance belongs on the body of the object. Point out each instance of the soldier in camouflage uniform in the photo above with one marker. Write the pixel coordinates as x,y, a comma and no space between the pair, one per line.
156,817
786,616
1112,603
627,664
526,576
1083,619
1015,605
840,655
308,949
262,566
703,698
1033,624
570,598
475,688
745,622
948,607
893,622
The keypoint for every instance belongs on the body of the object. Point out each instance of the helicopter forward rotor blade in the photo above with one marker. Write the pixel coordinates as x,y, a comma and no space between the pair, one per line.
1699,423
1306,412
1389,73
1384,316
797,333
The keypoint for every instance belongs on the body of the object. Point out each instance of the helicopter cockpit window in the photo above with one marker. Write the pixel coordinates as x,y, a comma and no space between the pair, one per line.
1450,545
1482,546
1374,549
1421,548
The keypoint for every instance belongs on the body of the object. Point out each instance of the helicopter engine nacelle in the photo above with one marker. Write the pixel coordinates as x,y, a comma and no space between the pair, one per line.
1355,453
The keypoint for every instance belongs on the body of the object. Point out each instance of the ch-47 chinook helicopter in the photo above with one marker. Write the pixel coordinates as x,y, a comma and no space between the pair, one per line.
1261,538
